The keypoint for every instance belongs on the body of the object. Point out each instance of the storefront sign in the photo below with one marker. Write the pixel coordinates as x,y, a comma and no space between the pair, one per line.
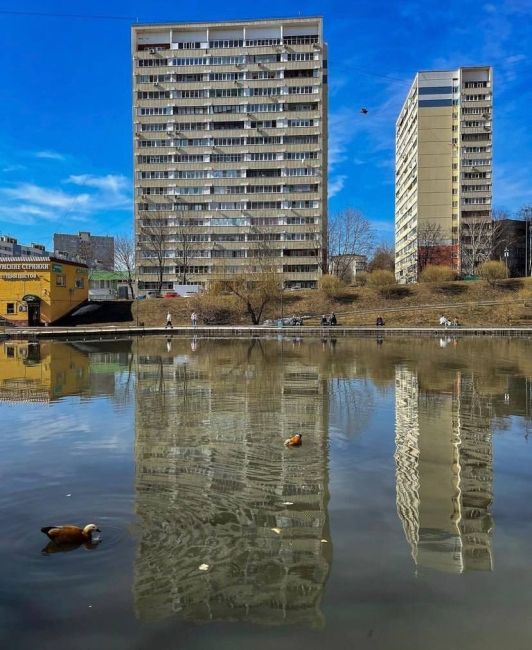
5,266
21,276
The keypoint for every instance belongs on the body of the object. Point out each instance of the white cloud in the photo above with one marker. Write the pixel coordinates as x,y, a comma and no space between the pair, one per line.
13,168
49,155
336,185
28,203
43,196
110,182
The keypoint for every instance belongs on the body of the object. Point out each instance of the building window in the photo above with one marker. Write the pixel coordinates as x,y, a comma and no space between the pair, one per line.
10,308
79,283
60,281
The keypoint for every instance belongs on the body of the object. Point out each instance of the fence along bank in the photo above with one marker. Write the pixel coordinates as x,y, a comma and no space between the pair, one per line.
40,290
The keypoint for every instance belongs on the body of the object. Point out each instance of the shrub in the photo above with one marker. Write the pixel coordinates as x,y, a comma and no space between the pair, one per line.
214,310
332,287
381,278
395,291
492,271
436,273
361,279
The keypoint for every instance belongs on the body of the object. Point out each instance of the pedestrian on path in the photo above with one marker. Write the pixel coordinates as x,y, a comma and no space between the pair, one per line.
169,320
194,319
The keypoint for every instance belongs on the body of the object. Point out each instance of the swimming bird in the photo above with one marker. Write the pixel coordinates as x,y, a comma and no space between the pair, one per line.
294,441
70,534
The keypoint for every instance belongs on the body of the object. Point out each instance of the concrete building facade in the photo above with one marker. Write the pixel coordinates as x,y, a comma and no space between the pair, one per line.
95,251
9,247
230,150
443,168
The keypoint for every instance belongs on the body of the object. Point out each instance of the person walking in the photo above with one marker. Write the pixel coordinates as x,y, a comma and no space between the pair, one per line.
169,320
194,319
333,320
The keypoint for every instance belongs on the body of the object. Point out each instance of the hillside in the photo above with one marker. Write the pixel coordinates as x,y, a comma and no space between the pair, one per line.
420,304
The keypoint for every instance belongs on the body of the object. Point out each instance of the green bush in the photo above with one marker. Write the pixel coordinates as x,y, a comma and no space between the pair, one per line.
332,287
492,271
379,279
436,273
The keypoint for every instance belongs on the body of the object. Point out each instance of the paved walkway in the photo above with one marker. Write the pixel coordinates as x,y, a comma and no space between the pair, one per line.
120,331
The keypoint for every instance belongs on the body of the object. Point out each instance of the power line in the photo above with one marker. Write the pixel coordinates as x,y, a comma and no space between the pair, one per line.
57,15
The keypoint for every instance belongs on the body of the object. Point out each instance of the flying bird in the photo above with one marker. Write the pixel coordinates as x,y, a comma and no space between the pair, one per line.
364,110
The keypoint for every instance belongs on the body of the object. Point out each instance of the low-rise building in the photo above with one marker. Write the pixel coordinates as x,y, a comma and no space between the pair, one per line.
39,290
9,247
346,267
109,285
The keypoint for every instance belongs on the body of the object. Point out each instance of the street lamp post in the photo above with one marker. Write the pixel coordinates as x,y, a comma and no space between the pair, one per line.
506,254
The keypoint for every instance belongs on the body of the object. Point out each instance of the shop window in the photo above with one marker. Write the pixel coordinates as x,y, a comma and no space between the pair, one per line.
10,308
60,281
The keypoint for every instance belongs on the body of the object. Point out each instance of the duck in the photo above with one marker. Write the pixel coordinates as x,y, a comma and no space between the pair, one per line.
69,534
294,441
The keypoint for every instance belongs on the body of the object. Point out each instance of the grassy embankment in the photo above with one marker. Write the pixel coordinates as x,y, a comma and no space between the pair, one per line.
412,305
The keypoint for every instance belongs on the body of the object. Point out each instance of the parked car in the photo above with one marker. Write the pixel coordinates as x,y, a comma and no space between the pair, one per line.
170,294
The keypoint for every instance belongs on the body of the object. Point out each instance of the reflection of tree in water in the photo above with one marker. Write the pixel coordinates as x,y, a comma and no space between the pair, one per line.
213,479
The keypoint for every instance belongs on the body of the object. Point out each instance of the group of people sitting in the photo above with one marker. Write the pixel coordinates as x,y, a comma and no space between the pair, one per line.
328,320
448,323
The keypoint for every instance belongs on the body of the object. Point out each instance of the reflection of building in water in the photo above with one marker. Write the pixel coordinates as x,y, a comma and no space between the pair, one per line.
215,484
444,468
41,372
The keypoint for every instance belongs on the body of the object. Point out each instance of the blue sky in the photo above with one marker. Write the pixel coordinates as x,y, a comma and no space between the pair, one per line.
65,154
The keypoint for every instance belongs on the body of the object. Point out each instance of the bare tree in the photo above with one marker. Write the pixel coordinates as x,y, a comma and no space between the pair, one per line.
125,259
184,246
260,283
484,239
525,214
383,259
430,242
349,235
152,235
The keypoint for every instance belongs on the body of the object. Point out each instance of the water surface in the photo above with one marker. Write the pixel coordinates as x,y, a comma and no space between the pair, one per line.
403,521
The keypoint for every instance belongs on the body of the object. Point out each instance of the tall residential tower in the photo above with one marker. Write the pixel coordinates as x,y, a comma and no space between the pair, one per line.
443,169
230,150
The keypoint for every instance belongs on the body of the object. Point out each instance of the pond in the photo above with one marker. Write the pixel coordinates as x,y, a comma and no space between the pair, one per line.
403,521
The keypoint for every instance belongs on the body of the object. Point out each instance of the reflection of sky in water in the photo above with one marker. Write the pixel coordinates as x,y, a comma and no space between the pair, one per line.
201,413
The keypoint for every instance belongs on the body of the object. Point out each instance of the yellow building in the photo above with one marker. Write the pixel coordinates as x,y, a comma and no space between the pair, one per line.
41,372
37,290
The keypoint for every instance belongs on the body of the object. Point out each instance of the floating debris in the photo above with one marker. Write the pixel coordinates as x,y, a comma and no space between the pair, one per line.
277,530
68,495
288,503
324,541
203,567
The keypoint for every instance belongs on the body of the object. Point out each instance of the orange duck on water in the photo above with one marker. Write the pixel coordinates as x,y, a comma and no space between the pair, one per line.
294,441
70,535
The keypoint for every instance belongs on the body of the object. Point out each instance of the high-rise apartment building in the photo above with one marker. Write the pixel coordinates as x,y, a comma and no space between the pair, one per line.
230,150
443,170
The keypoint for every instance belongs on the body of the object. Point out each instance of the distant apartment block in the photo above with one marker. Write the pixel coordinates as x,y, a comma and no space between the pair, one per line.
95,251
230,150
9,247
347,267
443,169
